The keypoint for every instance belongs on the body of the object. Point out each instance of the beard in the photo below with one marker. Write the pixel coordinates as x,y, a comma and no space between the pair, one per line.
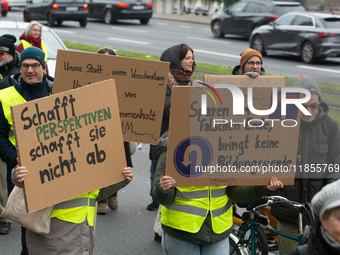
4,61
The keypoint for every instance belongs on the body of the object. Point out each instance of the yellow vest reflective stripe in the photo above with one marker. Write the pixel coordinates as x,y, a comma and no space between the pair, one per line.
191,206
10,96
26,44
75,210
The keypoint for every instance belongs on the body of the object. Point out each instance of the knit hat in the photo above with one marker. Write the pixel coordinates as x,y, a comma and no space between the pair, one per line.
327,198
33,53
309,84
247,54
7,43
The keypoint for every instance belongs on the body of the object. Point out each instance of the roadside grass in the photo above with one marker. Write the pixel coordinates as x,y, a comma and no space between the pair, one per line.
332,99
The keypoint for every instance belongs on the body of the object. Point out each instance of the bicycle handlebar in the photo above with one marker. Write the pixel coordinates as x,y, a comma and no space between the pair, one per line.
273,199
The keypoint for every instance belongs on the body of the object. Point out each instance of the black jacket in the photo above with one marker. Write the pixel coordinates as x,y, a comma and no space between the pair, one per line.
6,71
8,152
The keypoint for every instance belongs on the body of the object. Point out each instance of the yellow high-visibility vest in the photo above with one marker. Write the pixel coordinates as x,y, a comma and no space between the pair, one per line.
26,44
74,210
191,206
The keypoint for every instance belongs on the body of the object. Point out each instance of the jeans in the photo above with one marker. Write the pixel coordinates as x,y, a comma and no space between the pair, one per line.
174,246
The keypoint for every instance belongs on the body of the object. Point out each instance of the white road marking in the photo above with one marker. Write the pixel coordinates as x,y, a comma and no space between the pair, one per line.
162,24
182,26
319,69
217,53
131,30
207,40
63,31
126,40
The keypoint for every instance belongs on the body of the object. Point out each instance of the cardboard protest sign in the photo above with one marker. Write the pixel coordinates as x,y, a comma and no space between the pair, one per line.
141,87
211,145
245,81
71,143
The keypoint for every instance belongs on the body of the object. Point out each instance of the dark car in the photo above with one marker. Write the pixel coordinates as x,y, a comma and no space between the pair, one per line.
243,17
309,35
57,11
111,10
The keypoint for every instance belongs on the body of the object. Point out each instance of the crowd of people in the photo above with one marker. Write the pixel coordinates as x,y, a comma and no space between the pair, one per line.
194,219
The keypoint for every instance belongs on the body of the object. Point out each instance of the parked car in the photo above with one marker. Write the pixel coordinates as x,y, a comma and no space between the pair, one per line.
244,16
111,10
16,3
52,41
309,35
56,11
4,8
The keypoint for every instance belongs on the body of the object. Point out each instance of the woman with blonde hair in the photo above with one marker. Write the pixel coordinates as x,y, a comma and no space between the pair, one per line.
32,37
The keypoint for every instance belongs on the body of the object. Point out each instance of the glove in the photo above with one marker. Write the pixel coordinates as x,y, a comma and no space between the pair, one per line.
252,74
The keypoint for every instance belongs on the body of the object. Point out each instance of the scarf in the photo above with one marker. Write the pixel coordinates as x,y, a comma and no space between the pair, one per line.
175,76
330,240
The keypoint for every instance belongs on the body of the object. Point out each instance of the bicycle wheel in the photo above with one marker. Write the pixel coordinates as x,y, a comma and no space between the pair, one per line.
232,244
261,242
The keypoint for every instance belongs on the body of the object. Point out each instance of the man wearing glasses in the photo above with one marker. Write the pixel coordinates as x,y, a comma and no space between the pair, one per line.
31,83
250,64
318,159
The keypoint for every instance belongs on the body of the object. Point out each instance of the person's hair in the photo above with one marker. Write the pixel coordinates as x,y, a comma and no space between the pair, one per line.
329,212
184,50
29,28
107,50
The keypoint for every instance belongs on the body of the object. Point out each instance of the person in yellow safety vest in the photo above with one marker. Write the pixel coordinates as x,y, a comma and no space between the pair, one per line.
197,220
32,37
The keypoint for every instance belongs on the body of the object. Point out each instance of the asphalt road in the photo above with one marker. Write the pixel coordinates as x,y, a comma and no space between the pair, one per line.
159,34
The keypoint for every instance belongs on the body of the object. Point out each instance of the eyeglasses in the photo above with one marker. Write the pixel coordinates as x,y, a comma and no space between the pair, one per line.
313,107
34,66
252,63
36,30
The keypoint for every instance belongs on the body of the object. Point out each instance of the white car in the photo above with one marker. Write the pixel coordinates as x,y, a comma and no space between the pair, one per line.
52,41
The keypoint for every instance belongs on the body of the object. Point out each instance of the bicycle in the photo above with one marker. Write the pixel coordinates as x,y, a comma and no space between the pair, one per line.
262,241
254,238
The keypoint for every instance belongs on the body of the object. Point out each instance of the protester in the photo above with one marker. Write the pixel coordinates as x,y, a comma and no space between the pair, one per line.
198,220
32,37
325,234
9,60
182,65
112,201
319,143
9,65
250,64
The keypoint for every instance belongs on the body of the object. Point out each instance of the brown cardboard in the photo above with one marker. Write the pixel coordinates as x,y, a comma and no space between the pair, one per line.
141,86
206,142
245,81
92,164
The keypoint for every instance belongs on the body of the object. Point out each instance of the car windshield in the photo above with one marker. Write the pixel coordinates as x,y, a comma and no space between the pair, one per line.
332,22
48,38
283,9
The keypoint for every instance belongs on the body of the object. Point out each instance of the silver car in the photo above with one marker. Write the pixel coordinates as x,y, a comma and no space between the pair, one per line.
52,41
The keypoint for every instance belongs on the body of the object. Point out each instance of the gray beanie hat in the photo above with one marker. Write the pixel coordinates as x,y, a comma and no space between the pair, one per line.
327,198
309,84
33,53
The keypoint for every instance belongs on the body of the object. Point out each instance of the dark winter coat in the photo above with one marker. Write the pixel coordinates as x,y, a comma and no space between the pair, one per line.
8,152
314,148
6,71
316,244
